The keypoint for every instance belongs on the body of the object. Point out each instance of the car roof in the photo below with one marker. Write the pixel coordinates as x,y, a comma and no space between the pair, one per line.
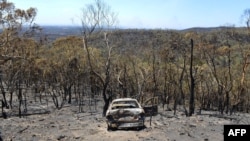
124,99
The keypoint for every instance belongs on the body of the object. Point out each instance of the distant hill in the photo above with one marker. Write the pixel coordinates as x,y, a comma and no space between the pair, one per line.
59,31
76,30
54,32
62,30
206,29
201,29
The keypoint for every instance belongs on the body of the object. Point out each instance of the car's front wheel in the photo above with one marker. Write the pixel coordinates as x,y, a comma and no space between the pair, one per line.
109,128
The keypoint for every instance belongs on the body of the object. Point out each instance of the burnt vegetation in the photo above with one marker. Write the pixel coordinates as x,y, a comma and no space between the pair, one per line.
79,68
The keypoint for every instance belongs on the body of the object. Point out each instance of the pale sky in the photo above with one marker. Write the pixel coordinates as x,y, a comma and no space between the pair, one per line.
146,14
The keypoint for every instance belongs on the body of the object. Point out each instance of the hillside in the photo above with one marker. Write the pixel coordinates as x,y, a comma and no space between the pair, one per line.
68,124
59,31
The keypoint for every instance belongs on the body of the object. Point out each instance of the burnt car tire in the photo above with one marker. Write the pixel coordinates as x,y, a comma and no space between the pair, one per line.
110,128
141,127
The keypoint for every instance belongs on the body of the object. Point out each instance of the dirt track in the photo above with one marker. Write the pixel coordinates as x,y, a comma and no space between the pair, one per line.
68,124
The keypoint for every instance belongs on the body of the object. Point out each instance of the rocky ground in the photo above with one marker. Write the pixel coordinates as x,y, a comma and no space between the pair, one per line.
68,124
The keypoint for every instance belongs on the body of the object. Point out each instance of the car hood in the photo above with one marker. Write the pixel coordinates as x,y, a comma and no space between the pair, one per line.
125,112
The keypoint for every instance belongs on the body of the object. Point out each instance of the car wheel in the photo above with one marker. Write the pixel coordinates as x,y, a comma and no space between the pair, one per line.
140,128
110,128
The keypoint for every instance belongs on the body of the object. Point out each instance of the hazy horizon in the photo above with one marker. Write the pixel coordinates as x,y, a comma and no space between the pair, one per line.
144,14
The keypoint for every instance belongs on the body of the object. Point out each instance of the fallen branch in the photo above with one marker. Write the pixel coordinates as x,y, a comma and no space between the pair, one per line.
21,131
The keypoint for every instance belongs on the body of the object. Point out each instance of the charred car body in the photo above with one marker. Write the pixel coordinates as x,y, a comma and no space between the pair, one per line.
125,113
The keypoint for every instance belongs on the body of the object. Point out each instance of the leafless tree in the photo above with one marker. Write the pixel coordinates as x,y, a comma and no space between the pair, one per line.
99,18
246,18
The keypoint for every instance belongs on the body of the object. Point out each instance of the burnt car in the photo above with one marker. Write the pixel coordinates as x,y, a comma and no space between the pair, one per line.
125,113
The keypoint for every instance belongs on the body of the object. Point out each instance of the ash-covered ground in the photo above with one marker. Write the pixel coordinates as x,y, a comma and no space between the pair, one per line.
68,124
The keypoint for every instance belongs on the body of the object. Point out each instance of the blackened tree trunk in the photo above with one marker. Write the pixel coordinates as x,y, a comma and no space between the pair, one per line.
3,113
192,83
106,102
20,99
3,93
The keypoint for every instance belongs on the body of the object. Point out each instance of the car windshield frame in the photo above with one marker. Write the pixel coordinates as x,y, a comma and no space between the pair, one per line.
123,104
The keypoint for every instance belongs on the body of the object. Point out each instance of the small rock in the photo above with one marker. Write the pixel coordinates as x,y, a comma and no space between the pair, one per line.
60,137
148,129
41,119
182,133
77,138
200,119
190,135
192,125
